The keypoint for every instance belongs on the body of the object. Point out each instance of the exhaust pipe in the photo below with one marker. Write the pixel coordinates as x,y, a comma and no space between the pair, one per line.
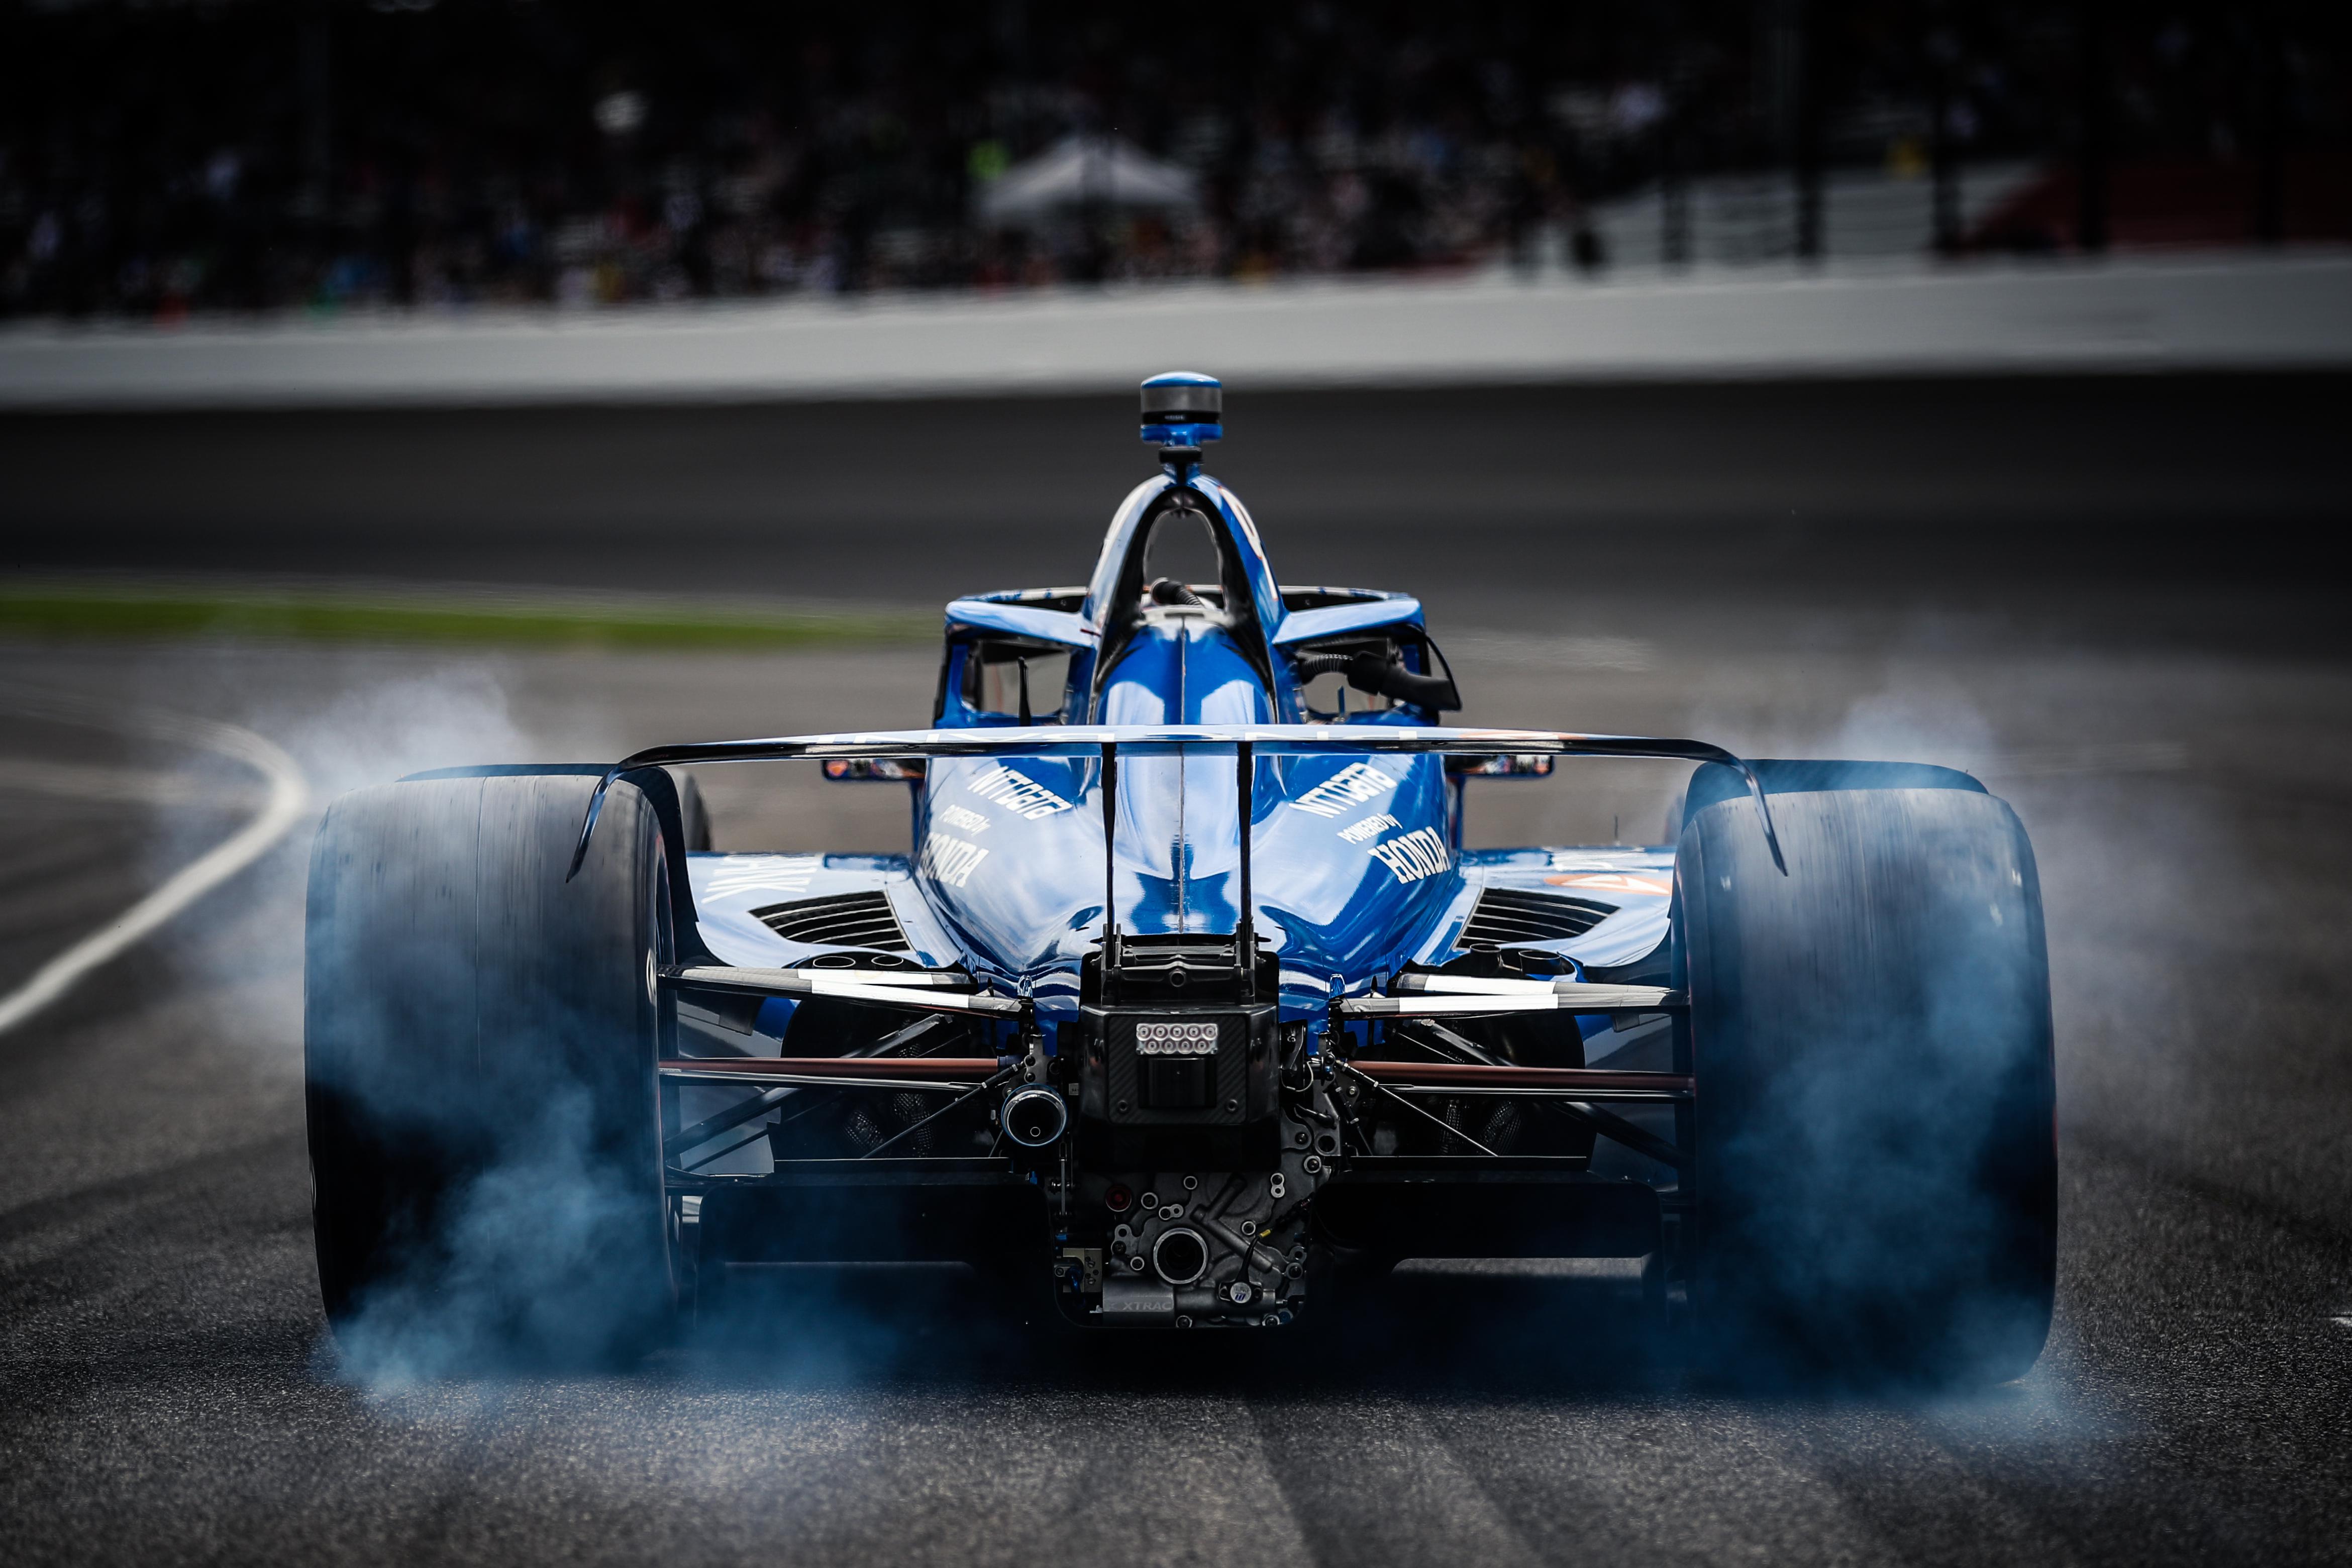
1035,1115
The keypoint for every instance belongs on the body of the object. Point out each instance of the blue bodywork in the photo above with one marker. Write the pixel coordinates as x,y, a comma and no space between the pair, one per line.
1358,867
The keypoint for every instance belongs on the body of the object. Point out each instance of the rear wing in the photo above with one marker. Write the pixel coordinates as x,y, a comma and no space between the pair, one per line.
1108,743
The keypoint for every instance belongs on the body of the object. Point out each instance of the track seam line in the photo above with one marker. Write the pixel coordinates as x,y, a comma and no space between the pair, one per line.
289,798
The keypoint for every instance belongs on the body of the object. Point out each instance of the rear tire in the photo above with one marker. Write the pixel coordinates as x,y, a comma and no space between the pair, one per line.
480,1038
1877,1173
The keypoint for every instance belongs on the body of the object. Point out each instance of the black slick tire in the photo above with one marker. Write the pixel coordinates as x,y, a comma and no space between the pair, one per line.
1875,1178
480,1039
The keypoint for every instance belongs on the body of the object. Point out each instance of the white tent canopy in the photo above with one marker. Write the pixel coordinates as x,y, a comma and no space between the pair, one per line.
1080,171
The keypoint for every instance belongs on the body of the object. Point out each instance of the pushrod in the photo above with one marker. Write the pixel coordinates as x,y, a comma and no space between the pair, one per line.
1564,1079
819,1068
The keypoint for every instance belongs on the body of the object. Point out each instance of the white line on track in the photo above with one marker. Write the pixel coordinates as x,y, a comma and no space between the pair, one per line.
289,797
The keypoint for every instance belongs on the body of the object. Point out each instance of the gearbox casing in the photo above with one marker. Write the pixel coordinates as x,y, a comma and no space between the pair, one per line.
1155,1094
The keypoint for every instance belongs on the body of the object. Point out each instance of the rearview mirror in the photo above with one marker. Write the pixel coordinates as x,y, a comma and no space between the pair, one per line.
874,771
1536,765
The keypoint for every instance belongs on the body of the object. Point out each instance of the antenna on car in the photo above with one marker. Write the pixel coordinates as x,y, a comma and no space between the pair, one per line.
1182,412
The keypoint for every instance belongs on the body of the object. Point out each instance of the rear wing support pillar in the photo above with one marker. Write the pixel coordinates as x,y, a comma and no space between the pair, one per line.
1110,861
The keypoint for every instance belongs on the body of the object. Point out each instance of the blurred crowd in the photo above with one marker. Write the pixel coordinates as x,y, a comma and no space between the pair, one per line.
159,158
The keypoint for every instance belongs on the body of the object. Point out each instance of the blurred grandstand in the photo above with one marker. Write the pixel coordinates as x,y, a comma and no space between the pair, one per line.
158,159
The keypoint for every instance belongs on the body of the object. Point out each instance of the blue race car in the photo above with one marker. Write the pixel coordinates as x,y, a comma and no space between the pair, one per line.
1187,1008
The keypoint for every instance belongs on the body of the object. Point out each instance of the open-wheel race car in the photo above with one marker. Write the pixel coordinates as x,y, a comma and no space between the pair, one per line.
1187,1008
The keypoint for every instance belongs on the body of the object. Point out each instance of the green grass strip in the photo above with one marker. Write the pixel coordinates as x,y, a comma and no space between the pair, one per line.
52,609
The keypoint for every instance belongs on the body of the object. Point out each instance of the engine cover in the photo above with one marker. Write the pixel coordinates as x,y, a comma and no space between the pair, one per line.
1170,1087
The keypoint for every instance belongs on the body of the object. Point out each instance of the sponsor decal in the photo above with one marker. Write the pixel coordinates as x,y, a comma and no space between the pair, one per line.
949,862
1418,854
964,817
1017,793
1352,786
1372,827
763,873
1195,1039
1657,885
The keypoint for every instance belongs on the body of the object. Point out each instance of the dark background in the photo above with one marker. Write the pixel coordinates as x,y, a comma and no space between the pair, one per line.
158,159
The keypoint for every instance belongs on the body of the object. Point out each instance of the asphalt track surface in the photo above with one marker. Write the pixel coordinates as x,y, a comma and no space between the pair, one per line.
2162,688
